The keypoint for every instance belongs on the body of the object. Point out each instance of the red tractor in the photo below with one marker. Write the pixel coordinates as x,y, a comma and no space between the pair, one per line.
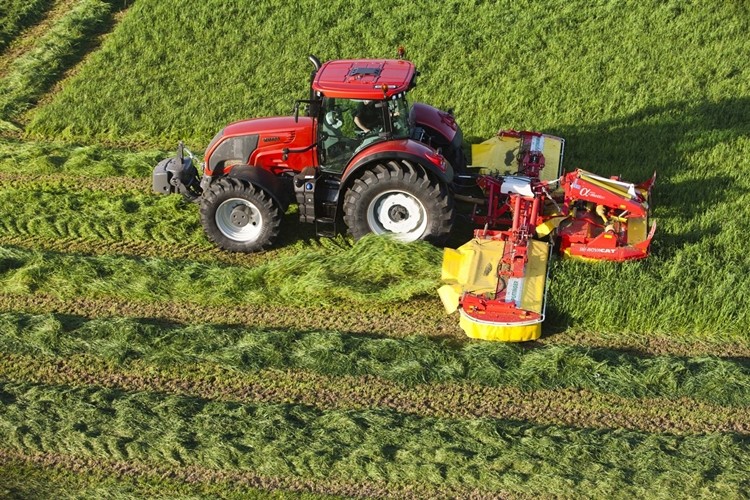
362,156
358,154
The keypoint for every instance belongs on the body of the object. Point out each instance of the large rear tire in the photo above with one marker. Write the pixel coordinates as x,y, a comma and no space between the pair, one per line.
399,199
238,216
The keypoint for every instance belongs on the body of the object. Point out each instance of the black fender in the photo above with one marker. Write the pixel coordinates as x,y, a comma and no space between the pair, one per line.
445,176
279,190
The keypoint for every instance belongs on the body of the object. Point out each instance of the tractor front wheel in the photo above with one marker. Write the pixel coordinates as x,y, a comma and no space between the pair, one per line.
399,199
238,216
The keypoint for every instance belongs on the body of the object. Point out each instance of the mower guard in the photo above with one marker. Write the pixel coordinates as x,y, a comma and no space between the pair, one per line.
502,154
622,236
492,307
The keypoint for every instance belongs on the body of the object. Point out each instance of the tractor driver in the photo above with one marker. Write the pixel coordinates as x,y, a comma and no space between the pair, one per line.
367,116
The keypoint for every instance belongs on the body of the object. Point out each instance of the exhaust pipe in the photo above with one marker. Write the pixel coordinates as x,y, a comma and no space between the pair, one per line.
315,62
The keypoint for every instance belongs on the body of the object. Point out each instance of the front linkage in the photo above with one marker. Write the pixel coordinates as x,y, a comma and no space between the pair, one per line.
178,175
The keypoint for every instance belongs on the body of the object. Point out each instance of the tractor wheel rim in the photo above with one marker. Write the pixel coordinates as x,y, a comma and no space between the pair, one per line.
397,213
239,220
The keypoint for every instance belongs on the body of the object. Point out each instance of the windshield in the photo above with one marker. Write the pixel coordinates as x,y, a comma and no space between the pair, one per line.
399,113
347,126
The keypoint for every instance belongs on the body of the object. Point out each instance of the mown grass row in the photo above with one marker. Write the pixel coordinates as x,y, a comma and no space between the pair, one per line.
568,407
15,15
409,361
34,72
95,161
669,298
375,271
191,481
300,442
57,211
49,476
119,210
391,320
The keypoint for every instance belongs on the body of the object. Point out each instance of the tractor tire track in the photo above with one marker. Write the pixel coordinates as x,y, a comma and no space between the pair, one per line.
195,475
400,320
565,407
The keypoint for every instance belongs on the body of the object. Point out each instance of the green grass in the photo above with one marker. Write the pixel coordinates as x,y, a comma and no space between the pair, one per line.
34,72
21,480
633,86
369,445
54,212
410,361
679,106
374,271
557,63
15,15
691,289
49,157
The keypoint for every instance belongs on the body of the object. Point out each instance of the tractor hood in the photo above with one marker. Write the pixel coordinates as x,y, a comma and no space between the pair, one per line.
265,126
259,140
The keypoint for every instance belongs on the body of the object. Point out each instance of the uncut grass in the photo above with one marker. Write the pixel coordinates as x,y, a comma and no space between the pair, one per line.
410,361
34,72
15,15
301,442
582,64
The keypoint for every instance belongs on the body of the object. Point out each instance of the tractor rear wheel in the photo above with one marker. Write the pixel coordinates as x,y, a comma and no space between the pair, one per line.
238,216
399,199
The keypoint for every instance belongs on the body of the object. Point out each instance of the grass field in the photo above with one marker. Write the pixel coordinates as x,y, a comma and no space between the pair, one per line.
140,361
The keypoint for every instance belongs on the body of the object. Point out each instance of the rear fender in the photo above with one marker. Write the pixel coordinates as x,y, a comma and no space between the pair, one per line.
440,121
403,149
279,190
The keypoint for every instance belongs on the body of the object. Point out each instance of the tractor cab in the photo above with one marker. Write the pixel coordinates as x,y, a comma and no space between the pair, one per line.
362,102
347,126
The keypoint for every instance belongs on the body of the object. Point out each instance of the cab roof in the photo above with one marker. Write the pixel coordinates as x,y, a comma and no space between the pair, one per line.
372,79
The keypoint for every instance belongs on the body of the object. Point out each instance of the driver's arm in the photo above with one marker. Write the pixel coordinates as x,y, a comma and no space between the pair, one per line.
359,123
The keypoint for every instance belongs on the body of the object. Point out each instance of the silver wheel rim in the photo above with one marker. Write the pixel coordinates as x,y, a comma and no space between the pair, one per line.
234,231
399,214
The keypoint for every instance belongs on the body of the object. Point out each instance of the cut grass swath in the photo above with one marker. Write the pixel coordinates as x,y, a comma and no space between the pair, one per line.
163,480
373,271
50,157
15,15
568,407
370,445
410,361
34,72
633,299
49,475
